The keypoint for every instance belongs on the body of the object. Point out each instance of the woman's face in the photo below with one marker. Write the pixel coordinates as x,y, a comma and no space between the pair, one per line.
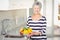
36,9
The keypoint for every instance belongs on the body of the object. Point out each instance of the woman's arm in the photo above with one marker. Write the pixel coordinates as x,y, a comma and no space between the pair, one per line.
44,27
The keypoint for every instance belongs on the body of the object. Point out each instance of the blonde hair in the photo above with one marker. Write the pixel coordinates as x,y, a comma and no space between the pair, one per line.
37,3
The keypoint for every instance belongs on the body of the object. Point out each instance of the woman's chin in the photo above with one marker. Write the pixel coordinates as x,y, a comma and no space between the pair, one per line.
36,12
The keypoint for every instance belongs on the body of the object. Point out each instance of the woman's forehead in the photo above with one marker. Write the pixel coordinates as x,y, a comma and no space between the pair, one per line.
36,6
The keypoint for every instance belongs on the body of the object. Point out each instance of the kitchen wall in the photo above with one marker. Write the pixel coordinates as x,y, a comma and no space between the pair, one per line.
12,9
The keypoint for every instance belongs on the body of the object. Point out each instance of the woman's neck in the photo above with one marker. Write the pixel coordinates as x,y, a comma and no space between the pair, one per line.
37,14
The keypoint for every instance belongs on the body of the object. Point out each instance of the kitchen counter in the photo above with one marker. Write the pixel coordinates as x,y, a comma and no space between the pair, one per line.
15,37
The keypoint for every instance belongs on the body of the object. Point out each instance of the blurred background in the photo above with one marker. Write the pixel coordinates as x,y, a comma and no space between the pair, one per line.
14,14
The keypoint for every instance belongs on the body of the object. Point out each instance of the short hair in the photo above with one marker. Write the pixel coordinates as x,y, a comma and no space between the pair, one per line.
37,3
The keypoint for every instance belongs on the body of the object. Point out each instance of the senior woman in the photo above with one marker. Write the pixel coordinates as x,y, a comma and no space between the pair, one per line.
37,22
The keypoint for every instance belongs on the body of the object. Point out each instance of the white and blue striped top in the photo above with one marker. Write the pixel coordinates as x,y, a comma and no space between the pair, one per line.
38,26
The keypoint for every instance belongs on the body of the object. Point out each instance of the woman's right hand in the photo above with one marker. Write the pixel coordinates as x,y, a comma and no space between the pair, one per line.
21,34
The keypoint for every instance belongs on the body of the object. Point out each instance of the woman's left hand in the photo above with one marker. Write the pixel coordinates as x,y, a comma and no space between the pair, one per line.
37,33
34,33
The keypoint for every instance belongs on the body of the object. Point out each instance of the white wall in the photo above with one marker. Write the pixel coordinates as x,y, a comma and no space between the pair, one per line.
49,16
49,12
20,4
4,4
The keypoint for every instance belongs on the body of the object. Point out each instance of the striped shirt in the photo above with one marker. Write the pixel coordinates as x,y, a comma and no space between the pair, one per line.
38,26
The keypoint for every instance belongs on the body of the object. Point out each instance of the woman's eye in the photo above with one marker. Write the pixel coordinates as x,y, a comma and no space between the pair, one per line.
35,8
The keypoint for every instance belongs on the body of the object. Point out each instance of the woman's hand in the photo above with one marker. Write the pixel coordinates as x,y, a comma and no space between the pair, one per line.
29,35
34,33
21,33
37,33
